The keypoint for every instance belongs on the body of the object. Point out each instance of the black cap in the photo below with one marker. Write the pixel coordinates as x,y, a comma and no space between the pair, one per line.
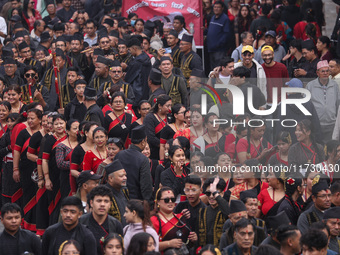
19,34
123,23
15,18
113,167
250,193
102,34
114,33
48,2
23,45
7,52
103,60
273,222
9,60
138,133
237,206
77,36
155,76
308,44
45,36
121,41
164,58
60,39
133,42
114,63
148,33
332,213
90,92
87,175
197,73
59,53
149,25
187,38
109,22
59,26
98,52
319,184
174,33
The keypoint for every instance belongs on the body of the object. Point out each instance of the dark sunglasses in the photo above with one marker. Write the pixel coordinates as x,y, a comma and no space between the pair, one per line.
32,75
113,140
208,193
167,200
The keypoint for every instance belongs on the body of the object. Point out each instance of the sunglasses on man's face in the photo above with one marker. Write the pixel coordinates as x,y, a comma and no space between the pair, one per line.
32,75
168,199
208,193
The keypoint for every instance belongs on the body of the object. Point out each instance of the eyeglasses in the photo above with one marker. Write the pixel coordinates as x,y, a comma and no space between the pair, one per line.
118,102
208,193
324,196
113,140
324,71
192,190
32,75
115,71
168,199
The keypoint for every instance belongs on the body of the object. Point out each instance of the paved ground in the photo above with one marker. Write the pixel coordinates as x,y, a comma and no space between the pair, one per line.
330,16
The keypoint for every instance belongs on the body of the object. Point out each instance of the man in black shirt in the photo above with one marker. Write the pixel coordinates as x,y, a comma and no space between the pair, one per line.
14,240
76,109
193,204
93,113
98,221
69,228
66,13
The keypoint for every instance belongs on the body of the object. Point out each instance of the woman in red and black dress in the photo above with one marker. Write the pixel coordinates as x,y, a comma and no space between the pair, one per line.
175,175
93,158
11,190
155,121
77,157
172,228
117,122
284,141
168,132
212,142
34,153
50,168
5,109
23,167
14,94
254,145
63,156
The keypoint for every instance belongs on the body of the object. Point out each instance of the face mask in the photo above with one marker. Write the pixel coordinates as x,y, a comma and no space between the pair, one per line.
132,22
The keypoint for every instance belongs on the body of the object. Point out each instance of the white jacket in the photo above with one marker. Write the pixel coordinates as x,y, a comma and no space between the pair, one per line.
261,77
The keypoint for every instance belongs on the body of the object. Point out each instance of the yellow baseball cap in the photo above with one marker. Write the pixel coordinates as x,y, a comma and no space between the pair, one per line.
248,48
267,47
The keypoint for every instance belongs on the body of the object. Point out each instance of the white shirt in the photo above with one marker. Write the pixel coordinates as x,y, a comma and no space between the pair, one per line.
3,28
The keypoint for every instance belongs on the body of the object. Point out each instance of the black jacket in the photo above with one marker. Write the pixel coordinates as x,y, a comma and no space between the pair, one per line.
94,113
137,167
75,110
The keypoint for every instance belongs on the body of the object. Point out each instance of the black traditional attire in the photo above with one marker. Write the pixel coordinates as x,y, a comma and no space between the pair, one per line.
28,92
94,113
308,217
97,81
75,110
29,187
292,208
119,127
63,157
119,201
193,212
176,55
67,92
190,61
54,196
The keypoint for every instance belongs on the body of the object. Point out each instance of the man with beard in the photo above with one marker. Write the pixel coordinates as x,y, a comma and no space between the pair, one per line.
69,228
244,238
193,204
276,73
98,220
116,181
102,67
321,195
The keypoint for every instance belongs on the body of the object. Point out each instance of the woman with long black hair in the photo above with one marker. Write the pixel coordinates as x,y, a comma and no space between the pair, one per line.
330,166
29,14
293,190
283,142
306,152
242,23
155,121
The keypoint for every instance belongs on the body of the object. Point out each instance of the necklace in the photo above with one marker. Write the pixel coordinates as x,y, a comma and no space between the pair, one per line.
122,124
258,151
100,156
309,160
161,120
69,143
180,129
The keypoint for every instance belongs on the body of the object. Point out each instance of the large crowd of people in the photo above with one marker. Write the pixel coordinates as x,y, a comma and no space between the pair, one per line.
116,138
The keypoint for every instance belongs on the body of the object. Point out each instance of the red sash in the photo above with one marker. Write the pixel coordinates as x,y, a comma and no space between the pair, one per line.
113,124
160,126
59,141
